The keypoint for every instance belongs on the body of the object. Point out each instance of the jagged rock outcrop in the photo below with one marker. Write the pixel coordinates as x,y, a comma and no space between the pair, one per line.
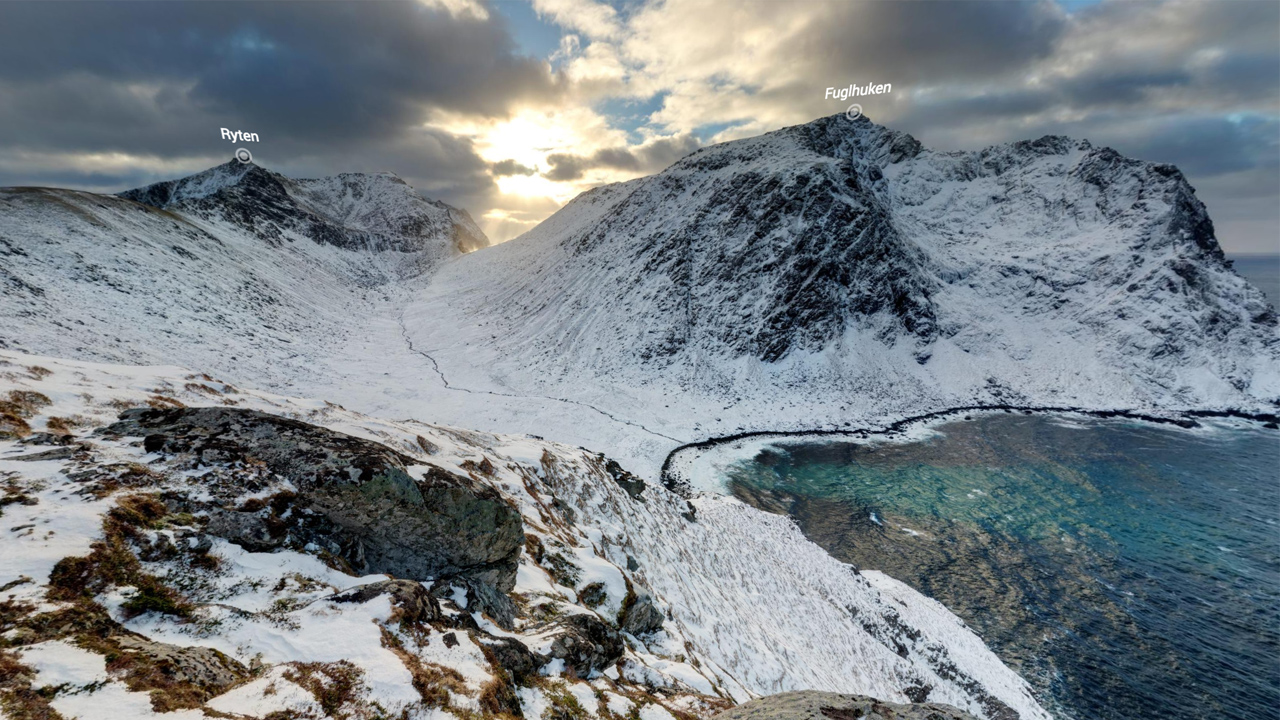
639,614
815,705
354,495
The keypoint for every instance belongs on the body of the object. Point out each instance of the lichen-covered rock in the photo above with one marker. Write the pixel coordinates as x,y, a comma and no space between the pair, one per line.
586,644
814,705
246,529
377,516
203,670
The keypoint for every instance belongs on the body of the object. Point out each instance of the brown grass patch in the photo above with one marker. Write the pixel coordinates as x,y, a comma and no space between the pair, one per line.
17,408
38,373
335,685
60,425
112,563
28,402
164,402
433,682
17,698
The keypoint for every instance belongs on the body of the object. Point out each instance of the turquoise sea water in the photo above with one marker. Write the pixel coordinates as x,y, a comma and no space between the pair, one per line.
1127,570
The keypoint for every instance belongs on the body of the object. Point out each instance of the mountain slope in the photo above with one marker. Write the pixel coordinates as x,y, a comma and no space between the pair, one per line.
839,272
599,544
236,268
354,211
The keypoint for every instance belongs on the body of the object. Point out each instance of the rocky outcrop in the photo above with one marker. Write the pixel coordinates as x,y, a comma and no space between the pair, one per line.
586,644
639,615
511,655
413,603
154,665
814,705
354,496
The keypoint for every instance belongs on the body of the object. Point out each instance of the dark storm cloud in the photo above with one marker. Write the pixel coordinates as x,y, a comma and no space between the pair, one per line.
649,158
510,167
922,42
138,74
1193,84
327,86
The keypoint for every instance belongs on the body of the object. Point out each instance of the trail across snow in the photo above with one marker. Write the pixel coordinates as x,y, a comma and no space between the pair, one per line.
445,382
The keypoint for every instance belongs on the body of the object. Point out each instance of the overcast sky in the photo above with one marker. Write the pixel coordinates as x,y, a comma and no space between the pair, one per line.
509,109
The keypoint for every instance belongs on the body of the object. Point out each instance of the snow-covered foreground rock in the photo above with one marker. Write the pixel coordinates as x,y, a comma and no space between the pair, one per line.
838,273
709,603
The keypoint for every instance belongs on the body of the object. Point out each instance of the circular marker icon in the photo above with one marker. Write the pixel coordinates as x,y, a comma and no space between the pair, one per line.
244,156
854,112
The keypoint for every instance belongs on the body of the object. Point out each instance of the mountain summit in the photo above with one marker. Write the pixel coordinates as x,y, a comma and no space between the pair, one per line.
236,267
839,270
376,211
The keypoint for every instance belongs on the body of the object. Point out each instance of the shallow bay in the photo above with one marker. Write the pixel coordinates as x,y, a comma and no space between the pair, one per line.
1127,570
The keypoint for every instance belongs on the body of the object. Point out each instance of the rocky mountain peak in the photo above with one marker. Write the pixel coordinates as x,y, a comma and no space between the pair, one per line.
352,211
844,255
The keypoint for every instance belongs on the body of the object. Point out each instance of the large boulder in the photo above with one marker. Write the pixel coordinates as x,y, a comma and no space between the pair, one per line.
511,655
370,510
815,705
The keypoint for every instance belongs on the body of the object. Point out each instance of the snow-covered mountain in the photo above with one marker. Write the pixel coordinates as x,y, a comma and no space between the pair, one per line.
839,272
354,211
236,268
823,275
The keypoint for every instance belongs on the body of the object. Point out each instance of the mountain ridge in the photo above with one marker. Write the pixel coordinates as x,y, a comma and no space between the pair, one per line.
377,211
753,281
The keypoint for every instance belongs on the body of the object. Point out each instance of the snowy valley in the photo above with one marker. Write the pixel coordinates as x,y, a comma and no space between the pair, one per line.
181,364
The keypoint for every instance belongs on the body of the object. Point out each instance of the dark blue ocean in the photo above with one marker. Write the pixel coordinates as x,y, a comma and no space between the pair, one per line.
1261,270
1126,569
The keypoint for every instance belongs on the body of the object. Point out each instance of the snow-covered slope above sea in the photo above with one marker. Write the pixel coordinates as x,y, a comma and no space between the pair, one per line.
838,272
741,604
236,268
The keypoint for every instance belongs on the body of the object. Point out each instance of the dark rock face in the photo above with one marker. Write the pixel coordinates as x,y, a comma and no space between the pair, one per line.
511,655
483,597
640,615
586,644
354,496
737,251
628,482
246,529
814,705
